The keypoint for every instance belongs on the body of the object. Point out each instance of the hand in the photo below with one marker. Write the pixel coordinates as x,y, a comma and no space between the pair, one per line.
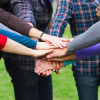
43,67
50,24
38,53
58,53
44,46
71,39
56,41
57,66
98,11
30,24
64,58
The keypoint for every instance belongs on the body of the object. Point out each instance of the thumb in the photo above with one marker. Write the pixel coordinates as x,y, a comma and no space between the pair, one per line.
65,40
50,55
47,51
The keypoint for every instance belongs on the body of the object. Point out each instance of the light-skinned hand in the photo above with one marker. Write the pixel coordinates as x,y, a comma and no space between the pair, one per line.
43,67
44,46
39,53
71,56
58,53
56,41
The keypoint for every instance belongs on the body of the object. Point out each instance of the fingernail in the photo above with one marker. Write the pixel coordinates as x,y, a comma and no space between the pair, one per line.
47,56
54,70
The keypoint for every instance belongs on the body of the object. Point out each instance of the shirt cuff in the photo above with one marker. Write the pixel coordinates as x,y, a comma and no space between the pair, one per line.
3,40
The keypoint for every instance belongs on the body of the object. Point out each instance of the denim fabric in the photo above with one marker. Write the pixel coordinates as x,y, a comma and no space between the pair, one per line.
28,85
87,87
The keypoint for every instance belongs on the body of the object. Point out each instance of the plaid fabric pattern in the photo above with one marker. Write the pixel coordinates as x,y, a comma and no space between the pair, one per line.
80,14
33,11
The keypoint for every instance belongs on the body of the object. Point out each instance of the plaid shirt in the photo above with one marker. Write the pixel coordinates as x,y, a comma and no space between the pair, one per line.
33,11
80,14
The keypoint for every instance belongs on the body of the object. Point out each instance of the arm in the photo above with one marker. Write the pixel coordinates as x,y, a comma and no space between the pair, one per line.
88,52
88,38
8,45
80,54
14,22
22,27
24,40
23,9
62,15
17,24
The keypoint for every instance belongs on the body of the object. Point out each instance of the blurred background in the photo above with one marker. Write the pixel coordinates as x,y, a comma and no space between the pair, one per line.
63,84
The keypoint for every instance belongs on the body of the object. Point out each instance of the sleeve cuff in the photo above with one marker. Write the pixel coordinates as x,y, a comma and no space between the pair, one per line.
3,41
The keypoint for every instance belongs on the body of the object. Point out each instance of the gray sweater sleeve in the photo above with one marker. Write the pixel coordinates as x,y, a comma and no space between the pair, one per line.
88,38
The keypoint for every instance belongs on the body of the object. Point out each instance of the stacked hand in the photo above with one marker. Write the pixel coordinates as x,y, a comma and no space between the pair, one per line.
56,41
43,66
59,45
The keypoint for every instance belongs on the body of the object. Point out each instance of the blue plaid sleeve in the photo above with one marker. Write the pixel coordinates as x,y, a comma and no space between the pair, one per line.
23,9
63,13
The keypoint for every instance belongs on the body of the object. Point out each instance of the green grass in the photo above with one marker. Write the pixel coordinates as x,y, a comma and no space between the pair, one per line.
6,89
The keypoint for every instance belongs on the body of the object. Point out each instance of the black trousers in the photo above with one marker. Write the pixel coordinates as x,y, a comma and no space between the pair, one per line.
28,85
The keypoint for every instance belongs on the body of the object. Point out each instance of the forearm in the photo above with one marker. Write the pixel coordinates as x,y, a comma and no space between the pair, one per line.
14,22
20,39
88,52
24,10
84,53
88,38
18,24
16,48
61,17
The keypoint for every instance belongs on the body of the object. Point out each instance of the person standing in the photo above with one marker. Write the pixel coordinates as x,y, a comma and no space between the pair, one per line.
81,14
27,84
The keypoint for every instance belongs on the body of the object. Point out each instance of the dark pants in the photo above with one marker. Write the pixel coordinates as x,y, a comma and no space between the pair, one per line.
87,87
28,85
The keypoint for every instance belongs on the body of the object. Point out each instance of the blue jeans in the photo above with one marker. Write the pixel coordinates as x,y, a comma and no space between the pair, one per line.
87,87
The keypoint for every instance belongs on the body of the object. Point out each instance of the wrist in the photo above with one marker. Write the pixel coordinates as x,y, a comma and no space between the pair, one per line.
38,45
72,56
34,53
42,35
35,33
66,50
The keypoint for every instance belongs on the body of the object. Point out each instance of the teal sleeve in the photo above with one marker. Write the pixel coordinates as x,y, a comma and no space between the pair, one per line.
66,63
24,40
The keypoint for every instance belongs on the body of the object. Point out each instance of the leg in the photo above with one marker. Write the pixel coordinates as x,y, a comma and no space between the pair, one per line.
87,87
25,83
45,88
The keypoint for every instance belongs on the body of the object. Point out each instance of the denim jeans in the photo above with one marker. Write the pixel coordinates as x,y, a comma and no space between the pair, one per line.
28,85
87,86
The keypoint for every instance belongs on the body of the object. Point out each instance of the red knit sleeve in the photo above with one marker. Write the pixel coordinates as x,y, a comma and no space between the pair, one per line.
3,40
